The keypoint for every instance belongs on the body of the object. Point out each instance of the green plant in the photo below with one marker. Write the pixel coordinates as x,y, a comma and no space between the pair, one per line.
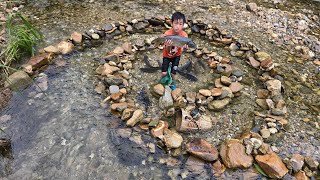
22,38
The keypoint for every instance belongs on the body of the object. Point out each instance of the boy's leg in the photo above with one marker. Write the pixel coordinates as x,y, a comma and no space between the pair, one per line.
165,66
174,67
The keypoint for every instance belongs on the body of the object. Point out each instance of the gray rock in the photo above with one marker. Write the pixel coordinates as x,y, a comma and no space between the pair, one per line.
18,81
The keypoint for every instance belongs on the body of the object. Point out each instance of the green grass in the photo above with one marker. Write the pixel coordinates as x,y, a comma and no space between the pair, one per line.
21,40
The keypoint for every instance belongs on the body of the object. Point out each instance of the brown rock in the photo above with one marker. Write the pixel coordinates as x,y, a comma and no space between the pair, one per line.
312,163
225,80
213,54
301,175
195,165
212,64
119,106
262,93
40,60
158,89
176,93
235,87
252,7
217,83
198,53
262,103
127,113
51,49
136,117
216,91
218,104
159,129
65,47
116,96
118,50
205,92
218,168
202,149
254,63
225,60
107,69
260,56
233,154
272,165
127,47
19,80
266,64
76,37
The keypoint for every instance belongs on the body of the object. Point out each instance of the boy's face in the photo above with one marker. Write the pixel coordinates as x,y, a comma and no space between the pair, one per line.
177,25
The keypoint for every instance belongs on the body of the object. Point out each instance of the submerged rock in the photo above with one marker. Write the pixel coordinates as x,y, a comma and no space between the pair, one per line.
18,81
202,149
172,139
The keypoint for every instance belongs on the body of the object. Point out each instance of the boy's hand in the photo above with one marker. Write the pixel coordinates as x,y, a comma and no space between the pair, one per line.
168,42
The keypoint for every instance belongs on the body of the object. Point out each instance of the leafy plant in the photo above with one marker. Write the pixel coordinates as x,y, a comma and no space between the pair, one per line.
22,39
258,168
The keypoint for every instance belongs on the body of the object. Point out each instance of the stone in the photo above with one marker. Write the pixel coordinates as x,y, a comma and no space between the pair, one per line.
107,69
225,80
51,49
218,104
158,89
260,56
297,162
76,37
216,91
5,96
166,100
266,64
172,139
205,92
119,106
95,36
113,80
136,117
252,7
65,47
124,132
113,89
218,168
176,93
195,165
254,63
273,130
233,154
159,129
127,47
217,83
235,87
312,163
262,103
19,80
40,60
262,93
301,175
272,165
202,149
191,97
186,123
274,86
127,114
100,88
118,50
152,147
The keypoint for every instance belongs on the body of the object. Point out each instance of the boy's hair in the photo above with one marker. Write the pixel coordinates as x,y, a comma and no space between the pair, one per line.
178,15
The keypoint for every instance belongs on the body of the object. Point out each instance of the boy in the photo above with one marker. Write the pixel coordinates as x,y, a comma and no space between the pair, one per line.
170,53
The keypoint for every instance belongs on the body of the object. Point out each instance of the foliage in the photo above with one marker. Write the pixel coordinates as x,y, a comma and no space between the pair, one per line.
22,39
258,168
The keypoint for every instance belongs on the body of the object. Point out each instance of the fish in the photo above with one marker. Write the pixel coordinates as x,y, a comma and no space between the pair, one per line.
178,41
143,98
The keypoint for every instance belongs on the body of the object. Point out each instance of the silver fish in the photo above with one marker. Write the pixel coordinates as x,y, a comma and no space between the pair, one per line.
178,41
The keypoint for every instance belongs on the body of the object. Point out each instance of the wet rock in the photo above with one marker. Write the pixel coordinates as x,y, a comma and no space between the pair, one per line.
95,36
114,89
118,50
141,25
159,129
217,83
65,47
254,63
18,81
136,117
152,147
51,49
124,132
202,149
235,87
195,165
312,163
218,104
119,106
185,122
112,80
176,93
262,103
262,93
158,89
40,60
127,114
252,7
100,88
225,80
265,148
108,27
218,168
297,162
205,92
301,175
233,154
76,37
172,139
272,165
129,29
127,47
273,130
260,56
274,86
166,100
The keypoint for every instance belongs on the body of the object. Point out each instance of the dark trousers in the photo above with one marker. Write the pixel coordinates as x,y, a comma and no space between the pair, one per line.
174,66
